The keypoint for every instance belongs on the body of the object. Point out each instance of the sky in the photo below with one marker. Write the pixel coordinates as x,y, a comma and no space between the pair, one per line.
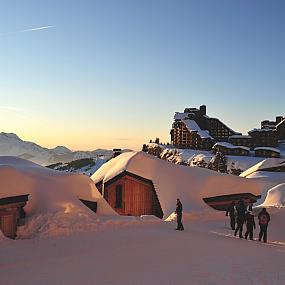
109,74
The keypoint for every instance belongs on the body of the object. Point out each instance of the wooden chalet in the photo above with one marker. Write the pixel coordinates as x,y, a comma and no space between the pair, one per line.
11,214
131,195
267,152
221,203
229,149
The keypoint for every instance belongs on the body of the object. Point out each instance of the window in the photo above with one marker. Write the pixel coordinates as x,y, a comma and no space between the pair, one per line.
119,196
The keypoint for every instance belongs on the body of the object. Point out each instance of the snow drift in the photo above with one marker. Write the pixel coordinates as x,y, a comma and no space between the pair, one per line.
190,184
51,193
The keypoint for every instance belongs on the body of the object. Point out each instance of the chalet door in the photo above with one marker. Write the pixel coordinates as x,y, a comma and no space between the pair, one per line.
8,225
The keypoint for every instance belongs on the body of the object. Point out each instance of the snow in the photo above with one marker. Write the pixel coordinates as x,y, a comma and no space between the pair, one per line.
86,248
275,197
171,181
146,253
241,137
264,164
61,150
229,145
51,193
267,148
180,116
192,126
260,130
12,145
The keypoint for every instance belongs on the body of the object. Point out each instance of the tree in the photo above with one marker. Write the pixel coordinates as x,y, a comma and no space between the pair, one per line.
218,162
145,148
157,140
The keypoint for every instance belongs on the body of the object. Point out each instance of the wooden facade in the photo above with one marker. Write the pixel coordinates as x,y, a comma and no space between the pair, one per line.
11,213
264,152
181,137
240,151
131,195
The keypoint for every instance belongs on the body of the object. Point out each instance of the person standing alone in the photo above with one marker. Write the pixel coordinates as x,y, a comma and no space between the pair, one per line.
178,212
264,219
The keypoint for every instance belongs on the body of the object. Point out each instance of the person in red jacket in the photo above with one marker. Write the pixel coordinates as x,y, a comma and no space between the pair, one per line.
264,219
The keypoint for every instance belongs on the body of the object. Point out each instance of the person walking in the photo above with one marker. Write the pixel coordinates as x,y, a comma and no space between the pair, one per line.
250,225
241,209
232,211
264,219
178,212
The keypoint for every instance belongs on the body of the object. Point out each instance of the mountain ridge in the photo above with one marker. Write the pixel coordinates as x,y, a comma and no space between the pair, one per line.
12,145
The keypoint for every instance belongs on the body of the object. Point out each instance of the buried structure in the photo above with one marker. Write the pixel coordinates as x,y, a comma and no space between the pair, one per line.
29,191
136,183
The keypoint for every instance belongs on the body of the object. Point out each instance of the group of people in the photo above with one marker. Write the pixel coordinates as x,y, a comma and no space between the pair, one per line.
241,214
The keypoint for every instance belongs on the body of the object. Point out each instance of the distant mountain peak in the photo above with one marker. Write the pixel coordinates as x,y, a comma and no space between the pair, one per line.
61,150
10,135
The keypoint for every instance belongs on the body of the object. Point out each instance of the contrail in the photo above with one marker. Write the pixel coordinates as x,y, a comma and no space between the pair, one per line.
28,30
35,29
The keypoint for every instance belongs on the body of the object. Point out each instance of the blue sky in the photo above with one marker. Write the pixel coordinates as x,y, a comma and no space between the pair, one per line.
112,73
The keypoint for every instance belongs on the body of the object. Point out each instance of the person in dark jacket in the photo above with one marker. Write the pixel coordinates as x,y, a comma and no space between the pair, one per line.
231,211
264,219
178,212
250,225
241,209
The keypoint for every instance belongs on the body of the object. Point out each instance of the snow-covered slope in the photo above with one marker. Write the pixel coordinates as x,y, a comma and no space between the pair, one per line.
87,166
51,194
191,184
12,145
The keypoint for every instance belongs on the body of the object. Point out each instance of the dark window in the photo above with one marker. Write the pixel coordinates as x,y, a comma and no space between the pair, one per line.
119,196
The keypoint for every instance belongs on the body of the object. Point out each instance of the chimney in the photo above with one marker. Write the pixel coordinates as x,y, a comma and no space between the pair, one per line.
279,119
203,110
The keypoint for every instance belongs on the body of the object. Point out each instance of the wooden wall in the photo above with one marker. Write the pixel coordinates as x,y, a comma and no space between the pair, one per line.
138,197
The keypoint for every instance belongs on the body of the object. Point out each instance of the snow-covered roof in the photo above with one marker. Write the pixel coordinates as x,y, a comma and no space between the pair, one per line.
49,191
226,126
192,126
171,181
264,164
231,146
180,116
241,137
260,130
267,148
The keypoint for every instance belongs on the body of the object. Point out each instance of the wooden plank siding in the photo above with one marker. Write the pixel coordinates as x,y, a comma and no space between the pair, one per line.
138,196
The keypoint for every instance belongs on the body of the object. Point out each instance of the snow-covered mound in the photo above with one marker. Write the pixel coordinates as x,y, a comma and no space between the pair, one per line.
275,197
190,184
51,193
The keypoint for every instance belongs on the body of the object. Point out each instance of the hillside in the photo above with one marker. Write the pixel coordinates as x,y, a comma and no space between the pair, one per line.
12,145
87,166
234,164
